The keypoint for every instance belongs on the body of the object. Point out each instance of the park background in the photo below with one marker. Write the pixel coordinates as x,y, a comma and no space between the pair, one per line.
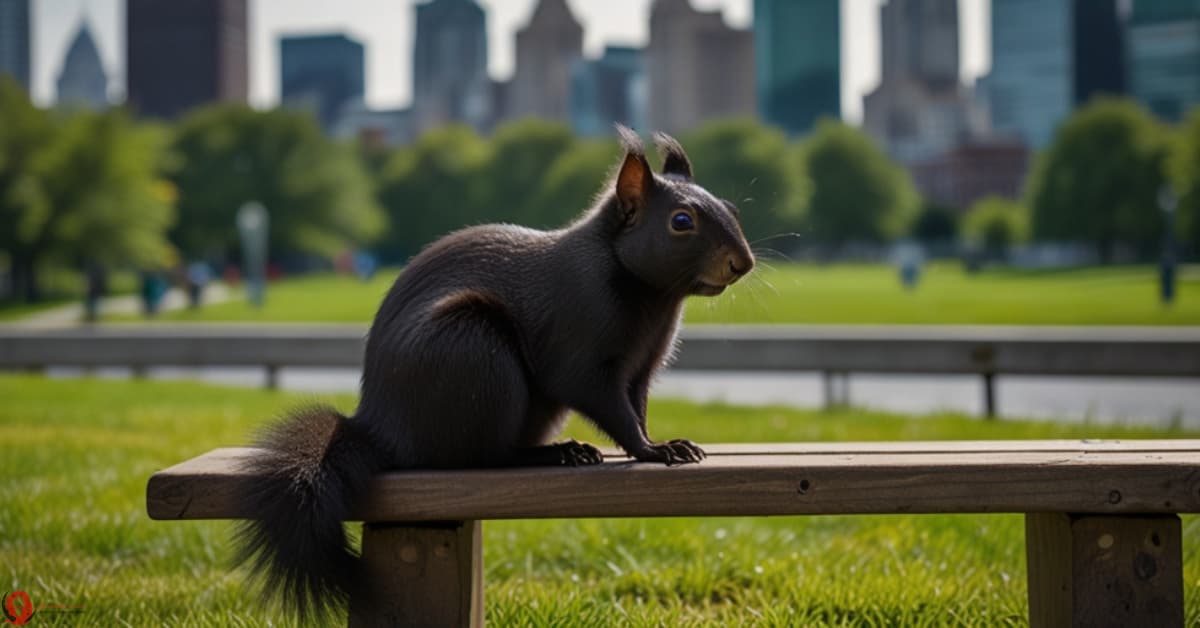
1048,185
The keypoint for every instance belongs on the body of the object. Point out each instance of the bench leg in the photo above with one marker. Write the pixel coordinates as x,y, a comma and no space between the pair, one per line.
1104,570
422,575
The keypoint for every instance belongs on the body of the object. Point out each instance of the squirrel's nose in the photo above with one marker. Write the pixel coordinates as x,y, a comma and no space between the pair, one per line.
740,267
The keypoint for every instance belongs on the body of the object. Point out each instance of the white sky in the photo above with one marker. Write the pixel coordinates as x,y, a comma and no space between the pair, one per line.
386,28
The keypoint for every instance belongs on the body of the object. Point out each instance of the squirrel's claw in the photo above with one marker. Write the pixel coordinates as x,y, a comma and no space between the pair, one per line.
673,452
574,454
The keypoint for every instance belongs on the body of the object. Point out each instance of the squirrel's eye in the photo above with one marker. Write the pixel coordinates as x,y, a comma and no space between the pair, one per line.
682,221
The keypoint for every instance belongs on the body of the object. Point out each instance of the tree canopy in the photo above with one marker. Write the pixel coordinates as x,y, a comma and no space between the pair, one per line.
318,195
83,188
858,194
1184,169
1099,180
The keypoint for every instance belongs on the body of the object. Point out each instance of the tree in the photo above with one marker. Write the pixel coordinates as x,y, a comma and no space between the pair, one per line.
521,156
749,164
24,134
936,224
434,186
88,192
317,192
993,225
1184,170
1099,180
573,181
858,194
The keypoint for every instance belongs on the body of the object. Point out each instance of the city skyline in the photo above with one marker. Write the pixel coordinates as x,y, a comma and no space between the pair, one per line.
387,30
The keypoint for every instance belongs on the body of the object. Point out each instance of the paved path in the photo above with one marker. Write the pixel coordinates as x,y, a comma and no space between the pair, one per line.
126,305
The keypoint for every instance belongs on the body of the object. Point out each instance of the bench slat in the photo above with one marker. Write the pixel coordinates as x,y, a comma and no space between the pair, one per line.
794,479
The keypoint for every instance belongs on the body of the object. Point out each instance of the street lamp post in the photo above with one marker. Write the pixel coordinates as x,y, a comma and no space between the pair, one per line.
1167,202
252,224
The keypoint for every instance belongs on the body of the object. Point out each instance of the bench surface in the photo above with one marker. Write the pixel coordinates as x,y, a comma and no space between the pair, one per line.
1102,477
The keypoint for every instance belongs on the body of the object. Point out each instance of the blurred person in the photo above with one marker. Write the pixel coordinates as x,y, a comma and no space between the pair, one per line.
154,288
197,277
97,288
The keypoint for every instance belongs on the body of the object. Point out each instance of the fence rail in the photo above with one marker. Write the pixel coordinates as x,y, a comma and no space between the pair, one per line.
834,351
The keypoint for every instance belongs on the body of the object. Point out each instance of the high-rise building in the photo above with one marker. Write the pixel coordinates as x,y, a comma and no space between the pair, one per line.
82,81
920,110
546,48
450,80
797,55
1044,67
185,53
697,67
15,40
608,90
323,73
1164,56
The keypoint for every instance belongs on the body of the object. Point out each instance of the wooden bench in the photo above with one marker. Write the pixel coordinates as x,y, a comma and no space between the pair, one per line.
1103,536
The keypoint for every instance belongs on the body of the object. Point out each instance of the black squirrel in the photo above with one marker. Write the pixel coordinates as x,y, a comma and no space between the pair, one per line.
485,341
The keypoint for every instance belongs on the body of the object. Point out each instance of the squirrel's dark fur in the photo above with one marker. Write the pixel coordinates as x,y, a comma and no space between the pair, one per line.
485,341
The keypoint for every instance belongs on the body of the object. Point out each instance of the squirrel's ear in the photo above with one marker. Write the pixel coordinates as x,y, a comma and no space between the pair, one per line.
675,161
635,180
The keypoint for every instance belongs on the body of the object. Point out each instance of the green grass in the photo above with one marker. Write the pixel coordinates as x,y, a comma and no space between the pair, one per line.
73,529
796,293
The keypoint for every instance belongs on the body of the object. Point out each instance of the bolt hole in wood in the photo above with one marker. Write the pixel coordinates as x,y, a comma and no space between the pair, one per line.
1114,497
1154,540
804,486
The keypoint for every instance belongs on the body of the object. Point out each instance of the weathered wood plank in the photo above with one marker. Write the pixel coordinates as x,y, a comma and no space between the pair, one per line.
421,575
1131,477
1104,570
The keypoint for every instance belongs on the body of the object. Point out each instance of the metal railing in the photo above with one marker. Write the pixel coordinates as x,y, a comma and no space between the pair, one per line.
834,351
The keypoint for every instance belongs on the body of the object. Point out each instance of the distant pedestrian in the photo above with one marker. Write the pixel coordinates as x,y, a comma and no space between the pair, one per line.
97,287
909,257
154,287
198,275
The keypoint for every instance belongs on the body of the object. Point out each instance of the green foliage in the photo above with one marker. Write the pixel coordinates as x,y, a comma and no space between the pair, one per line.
79,188
935,224
750,165
994,225
433,187
1099,180
858,194
1184,169
522,155
317,193
573,181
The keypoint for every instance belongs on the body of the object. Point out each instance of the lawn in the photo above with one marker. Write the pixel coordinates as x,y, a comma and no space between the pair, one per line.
843,293
73,529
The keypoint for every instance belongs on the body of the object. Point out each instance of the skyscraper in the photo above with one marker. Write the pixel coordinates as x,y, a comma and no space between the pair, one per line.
797,53
1164,56
321,72
14,40
608,90
697,67
450,80
82,81
546,48
185,53
1043,68
919,110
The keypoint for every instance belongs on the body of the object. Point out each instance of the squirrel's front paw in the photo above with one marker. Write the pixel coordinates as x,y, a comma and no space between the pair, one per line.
672,452
574,454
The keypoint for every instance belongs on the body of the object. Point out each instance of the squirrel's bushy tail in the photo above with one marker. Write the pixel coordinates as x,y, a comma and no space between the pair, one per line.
312,467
